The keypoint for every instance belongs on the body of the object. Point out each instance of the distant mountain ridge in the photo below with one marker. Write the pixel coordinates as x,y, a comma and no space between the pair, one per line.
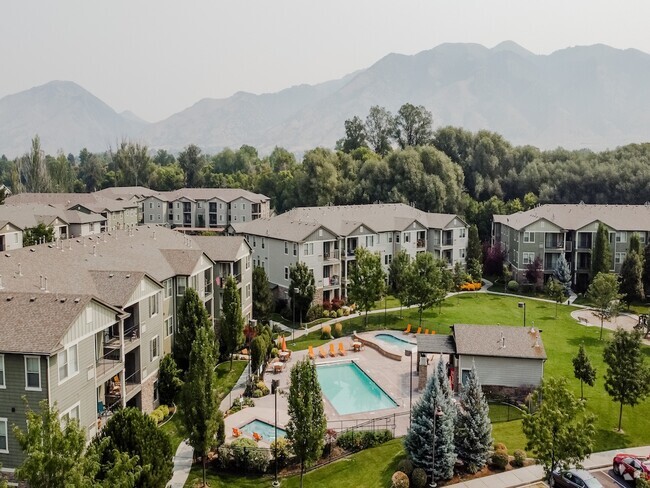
591,96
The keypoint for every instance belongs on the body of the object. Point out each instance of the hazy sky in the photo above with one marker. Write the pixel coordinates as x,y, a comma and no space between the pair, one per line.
157,57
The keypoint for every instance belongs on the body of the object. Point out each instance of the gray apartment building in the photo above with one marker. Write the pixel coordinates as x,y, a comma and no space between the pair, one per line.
324,238
86,321
548,231
204,208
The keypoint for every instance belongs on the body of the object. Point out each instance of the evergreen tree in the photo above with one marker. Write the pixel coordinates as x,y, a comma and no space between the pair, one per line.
192,315
307,422
634,244
232,320
631,278
601,258
475,269
133,432
583,370
367,280
473,427
200,403
419,438
37,234
398,277
562,273
262,296
646,269
627,379
474,250
302,280
169,382
603,293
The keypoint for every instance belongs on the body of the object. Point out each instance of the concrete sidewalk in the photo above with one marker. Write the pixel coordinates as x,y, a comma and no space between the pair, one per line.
182,465
530,474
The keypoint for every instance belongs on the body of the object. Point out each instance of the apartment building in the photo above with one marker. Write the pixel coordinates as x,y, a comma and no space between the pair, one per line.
549,231
324,238
90,318
204,208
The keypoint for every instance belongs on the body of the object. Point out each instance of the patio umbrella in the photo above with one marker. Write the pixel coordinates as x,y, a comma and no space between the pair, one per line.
284,344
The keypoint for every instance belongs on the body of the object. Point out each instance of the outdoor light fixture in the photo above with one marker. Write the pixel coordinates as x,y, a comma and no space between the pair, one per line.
523,305
409,353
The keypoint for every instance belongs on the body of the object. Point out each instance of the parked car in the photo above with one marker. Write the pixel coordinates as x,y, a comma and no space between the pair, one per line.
631,466
574,478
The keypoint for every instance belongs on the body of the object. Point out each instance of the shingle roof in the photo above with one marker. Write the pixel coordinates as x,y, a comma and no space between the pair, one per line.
116,287
220,248
297,224
35,323
92,201
182,261
576,216
30,215
436,343
488,340
223,194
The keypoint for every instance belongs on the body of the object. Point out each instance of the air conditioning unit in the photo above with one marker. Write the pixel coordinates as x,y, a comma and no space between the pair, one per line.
252,322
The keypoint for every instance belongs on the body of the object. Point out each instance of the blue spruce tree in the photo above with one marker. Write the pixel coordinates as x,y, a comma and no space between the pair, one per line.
562,273
473,426
419,440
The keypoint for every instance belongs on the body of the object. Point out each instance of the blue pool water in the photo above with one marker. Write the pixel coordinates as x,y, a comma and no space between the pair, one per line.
266,430
395,341
350,390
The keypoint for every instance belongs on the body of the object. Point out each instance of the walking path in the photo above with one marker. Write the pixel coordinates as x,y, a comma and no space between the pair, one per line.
182,465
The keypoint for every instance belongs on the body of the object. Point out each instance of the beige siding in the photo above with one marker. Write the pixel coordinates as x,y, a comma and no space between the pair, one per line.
146,288
95,318
512,372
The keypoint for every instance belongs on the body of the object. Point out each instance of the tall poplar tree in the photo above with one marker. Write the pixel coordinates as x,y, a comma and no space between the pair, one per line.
192,315
302,279
398,277
583,370
200,404
474,250
473,426
601,258
232,320
307,421
262,296
367,280
631,277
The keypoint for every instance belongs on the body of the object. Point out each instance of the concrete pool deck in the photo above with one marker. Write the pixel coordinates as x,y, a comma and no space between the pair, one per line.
391,375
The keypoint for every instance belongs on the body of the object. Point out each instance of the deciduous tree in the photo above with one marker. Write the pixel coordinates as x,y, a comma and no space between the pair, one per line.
583,370
555,292
192,162
603,293
232,320
262,296
426,283
413,126
379,129
355,135
631,278
474,250
398,277
32,167
560,433
36,235
169,382
627,379
367,280
302,280
307,422
192,315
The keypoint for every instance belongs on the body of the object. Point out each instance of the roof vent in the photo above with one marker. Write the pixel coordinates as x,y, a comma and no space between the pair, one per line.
32,299
7,255
110,275
31,249
76,300
128,276
537,344
9,298
63,300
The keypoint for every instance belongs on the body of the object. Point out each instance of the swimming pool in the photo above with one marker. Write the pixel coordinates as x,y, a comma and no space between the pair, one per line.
395,341
350,390
266,430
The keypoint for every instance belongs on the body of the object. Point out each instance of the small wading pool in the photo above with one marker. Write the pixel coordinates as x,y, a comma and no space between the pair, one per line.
350,390
266,430
395,341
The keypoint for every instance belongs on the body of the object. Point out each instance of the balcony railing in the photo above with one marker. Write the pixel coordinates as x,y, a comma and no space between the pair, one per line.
554,244
331,255
568,246
132,382
208,287
421,243
447,242
584,245
331,281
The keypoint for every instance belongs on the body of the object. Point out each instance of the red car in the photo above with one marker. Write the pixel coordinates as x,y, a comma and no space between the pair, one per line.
630,467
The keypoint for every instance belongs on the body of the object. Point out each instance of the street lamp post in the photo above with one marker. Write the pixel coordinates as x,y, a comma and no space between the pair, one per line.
295,293
275,385
409,353
523,305
385,311
437,412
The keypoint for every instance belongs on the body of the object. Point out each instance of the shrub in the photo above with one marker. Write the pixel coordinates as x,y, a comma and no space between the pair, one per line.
156,416
333,314
513,285
257,393
327,305
262,387
642,483
399,480
419,478
338,329
326,332
284,451
354,440
339,313
346,311
520,458
337,303
243,455
500,446
405,466
314,312
275,352
243,402
500,459
164,409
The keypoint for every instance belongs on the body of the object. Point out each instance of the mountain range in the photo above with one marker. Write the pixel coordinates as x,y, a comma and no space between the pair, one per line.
591,97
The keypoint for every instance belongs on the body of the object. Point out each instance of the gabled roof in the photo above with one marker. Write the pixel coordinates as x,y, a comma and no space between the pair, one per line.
577,216
116,287
193,194
35,323
435,343
182,261
489,340
92,201
221,248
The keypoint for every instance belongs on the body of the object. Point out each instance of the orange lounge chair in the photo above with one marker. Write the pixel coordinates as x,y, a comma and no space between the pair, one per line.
433,331
426,331
341,349
257,437
321,352
419,330
311,353
408,329
236,432
332,351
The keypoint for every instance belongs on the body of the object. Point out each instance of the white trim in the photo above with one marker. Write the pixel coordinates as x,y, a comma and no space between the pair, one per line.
40,384
58,363
6,422
67,412
152,358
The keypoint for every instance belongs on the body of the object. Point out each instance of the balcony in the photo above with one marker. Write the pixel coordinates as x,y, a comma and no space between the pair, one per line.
421,243
332,255
331,281
551,243
448,242
568,246
133,384
110,363
350,253
207,287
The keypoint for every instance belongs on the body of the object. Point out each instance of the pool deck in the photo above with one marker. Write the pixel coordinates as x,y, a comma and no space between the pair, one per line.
391,375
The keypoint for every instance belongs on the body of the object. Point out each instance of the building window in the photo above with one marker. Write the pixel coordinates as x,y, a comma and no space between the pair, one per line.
181,284
169,326
154,350
33,373
178,217
263,243
150,204
407,237
243,206
155,391
619,257
642,237
286,247
397,237
4,439
388,258
153,305
621,237
150,217
73,413
254,242
308,249
390,237
68,362
248,262
461,232
286,273
461,253
168,288
243,218
370,241
248,290
3,383
529,257
295,249
529,237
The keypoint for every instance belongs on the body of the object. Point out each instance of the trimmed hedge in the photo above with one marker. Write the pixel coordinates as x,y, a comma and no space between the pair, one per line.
354,440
